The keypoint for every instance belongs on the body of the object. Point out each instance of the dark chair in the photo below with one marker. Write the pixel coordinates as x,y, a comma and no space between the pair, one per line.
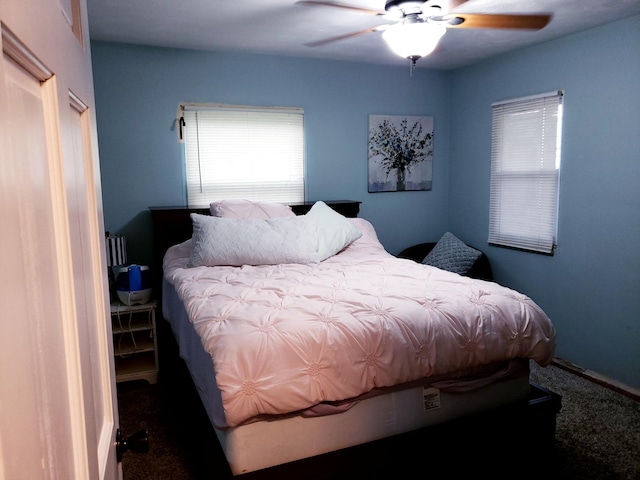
481,269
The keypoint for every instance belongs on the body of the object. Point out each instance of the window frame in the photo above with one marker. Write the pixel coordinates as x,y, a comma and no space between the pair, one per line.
242,123
525,172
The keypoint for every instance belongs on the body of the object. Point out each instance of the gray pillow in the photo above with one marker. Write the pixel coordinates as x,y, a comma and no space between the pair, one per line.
240,241
452,254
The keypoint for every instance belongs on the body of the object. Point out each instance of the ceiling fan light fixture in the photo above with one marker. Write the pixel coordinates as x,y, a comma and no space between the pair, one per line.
413,40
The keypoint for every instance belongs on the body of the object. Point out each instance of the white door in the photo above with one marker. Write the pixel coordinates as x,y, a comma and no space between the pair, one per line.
58,415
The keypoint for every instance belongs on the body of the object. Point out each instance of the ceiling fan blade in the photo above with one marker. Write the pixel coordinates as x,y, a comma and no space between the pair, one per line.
452,4
342,5
487,20
342,37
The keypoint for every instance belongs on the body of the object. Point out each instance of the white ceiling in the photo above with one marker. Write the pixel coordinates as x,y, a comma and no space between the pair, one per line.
281,27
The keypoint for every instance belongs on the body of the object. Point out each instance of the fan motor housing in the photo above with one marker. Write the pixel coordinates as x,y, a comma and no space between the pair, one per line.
405,6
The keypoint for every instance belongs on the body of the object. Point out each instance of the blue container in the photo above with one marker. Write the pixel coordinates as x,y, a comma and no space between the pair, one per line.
133,284
135,278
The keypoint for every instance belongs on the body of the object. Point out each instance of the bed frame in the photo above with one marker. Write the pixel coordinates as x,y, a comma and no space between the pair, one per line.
523,428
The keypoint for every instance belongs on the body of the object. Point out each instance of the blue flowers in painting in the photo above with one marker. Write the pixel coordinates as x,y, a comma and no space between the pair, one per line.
400,147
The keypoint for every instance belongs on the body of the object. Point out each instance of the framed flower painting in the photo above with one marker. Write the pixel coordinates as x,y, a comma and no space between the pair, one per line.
400,153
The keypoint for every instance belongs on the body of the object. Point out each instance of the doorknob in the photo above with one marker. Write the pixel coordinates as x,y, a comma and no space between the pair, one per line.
138,442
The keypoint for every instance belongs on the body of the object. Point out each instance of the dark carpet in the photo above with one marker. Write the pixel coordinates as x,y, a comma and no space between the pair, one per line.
598,430
597,436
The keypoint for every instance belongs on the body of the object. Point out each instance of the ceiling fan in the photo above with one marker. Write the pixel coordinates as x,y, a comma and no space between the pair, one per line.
422,24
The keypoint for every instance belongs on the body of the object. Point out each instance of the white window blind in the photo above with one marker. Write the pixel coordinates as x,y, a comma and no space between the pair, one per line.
243,152
525,172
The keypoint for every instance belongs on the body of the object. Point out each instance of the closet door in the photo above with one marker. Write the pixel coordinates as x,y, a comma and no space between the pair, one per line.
57,389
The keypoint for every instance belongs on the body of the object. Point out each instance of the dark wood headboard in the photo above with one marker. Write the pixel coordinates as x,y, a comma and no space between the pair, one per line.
172,225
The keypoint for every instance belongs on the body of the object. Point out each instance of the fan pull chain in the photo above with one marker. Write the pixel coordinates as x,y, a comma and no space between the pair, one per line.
412,66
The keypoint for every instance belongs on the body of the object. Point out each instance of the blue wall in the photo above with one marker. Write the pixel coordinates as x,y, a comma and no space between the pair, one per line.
138,90
590,288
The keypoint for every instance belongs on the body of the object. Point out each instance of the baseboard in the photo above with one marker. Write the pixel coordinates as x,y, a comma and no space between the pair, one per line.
595,377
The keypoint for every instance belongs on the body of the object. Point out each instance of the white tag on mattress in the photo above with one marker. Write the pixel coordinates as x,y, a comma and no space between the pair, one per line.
430,398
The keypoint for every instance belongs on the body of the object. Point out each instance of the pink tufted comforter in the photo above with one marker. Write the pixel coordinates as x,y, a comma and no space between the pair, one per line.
286,337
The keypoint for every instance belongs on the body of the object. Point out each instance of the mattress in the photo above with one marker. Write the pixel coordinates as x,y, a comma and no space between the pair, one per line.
289,337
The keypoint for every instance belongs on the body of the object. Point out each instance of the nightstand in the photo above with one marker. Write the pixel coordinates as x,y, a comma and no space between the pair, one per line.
135,346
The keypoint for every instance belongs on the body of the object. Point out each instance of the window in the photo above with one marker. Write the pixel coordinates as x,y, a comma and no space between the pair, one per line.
525,172
253,153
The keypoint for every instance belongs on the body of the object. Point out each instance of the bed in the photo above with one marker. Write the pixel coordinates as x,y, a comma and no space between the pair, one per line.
299,355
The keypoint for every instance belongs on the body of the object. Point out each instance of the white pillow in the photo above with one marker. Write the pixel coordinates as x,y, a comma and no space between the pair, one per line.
335,231
249,209
237,242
